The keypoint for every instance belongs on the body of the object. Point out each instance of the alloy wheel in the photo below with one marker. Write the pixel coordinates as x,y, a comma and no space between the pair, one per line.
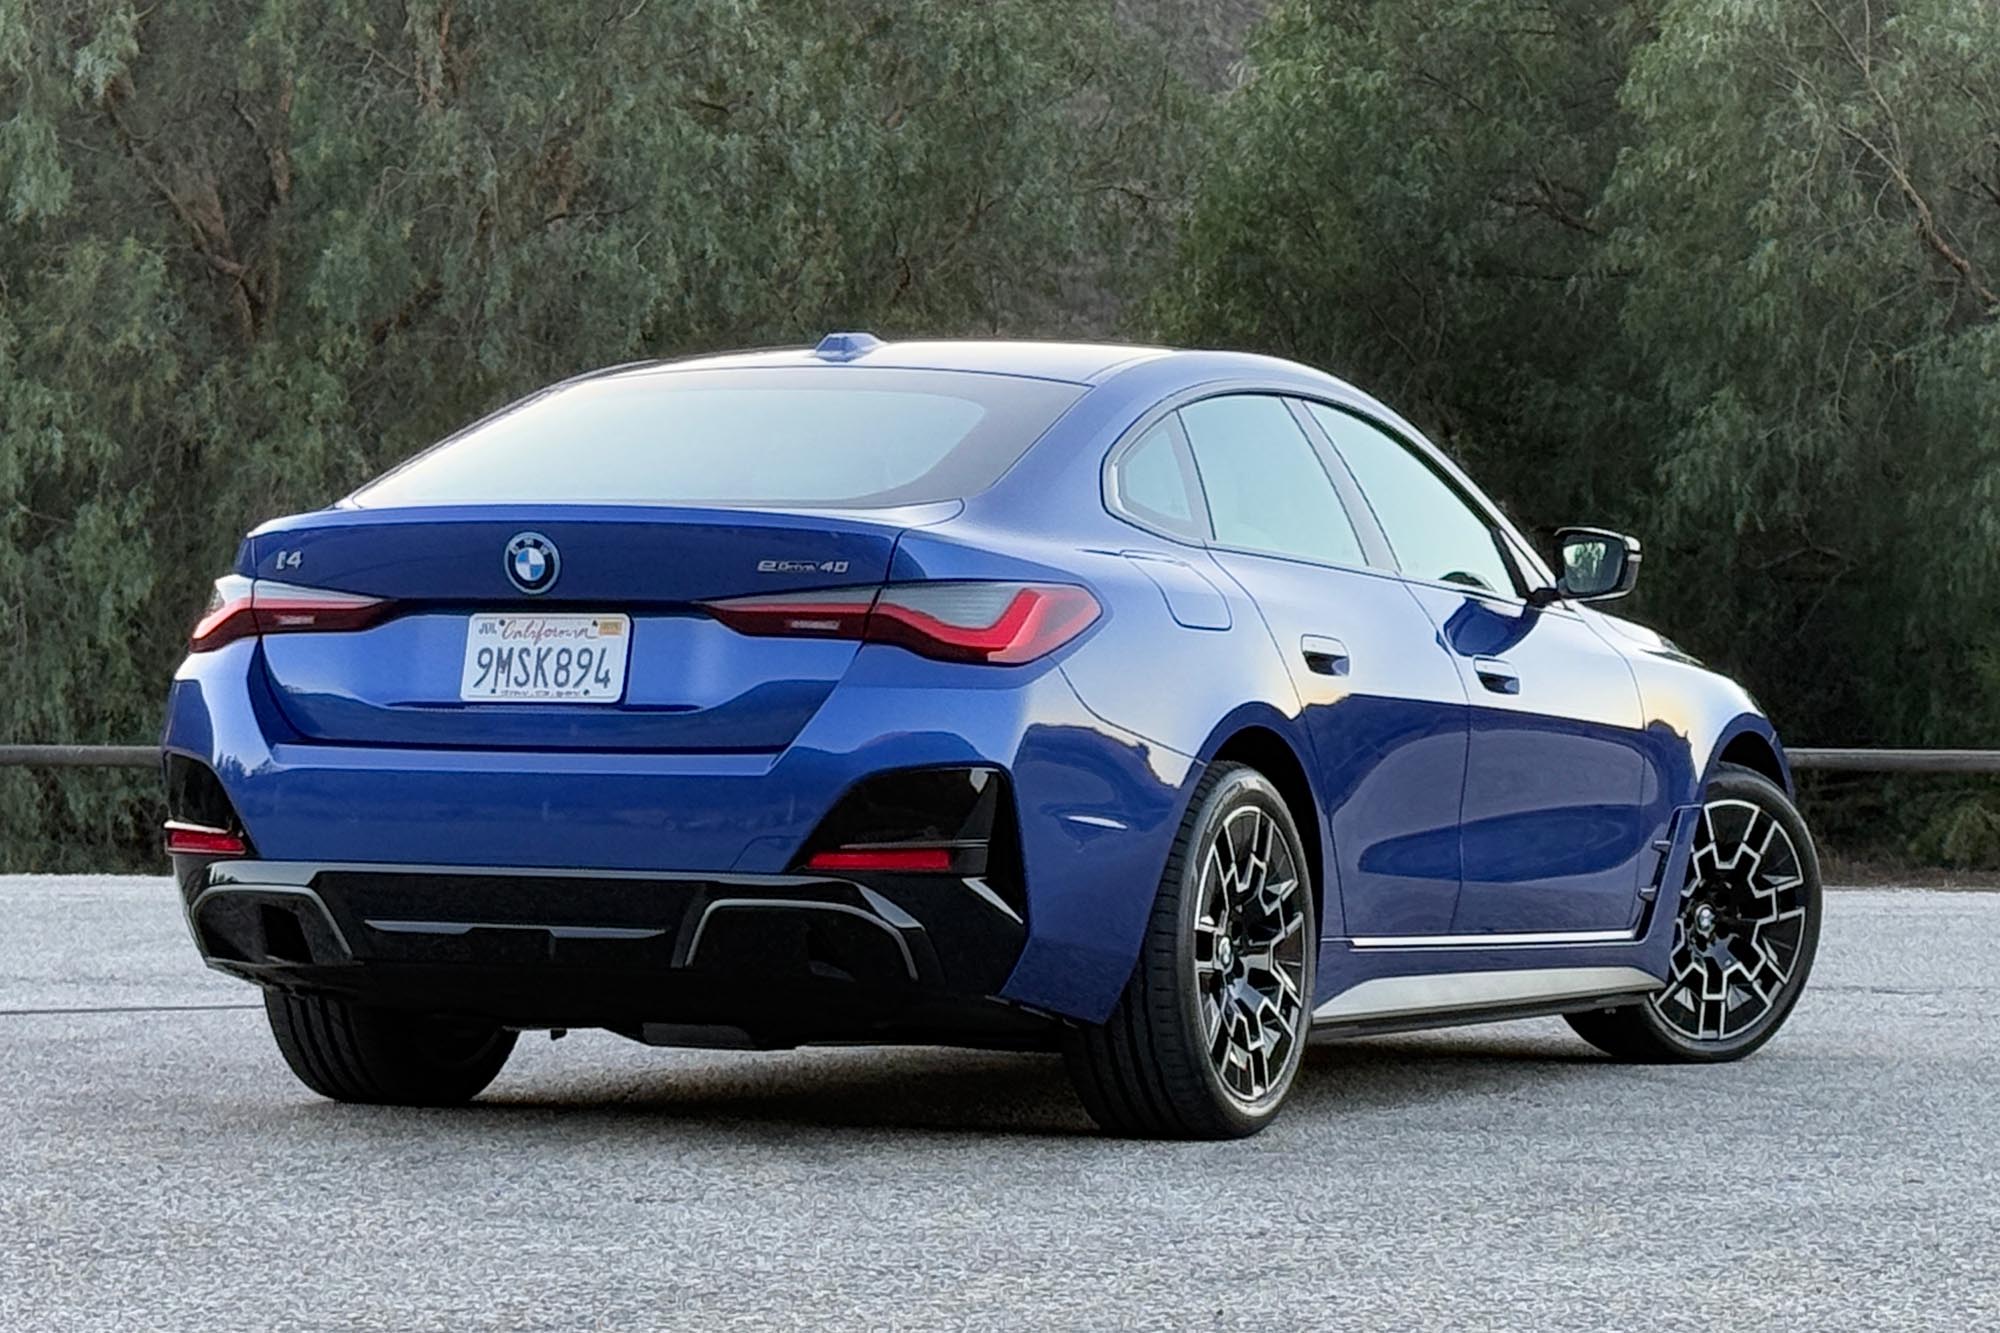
1250,953
1741,930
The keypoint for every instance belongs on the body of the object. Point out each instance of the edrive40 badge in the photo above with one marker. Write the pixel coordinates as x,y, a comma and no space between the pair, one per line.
532,562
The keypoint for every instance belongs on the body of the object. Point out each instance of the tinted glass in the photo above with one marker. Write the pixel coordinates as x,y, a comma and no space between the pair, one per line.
837,435
1151,482
1265,486
1434,533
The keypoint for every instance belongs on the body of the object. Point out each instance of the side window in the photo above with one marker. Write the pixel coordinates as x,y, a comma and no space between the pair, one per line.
1435,534
1266,488
1151,482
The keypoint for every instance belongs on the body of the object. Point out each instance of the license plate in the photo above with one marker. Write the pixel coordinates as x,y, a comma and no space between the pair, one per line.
566,659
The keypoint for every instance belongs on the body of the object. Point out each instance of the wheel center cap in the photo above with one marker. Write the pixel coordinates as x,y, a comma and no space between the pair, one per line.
1704,919
1225,953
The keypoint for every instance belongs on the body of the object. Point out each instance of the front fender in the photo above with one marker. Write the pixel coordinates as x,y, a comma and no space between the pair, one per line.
1750,739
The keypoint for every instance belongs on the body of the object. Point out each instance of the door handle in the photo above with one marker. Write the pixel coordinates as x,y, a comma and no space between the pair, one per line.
1496,675
1326,656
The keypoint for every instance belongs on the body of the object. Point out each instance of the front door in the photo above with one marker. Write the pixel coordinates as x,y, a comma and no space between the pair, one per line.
1552,836
1552,831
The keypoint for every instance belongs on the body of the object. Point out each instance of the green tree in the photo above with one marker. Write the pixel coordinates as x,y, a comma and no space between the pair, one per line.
1811,212
1406,195
253,250
1721,273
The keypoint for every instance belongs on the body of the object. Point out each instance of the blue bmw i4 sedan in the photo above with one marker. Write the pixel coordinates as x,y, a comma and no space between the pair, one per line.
1164,708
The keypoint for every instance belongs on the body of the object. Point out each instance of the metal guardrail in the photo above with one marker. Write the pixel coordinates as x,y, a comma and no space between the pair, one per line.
1895,761
1805,758
79,756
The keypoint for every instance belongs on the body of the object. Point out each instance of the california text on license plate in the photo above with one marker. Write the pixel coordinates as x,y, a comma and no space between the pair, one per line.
545,659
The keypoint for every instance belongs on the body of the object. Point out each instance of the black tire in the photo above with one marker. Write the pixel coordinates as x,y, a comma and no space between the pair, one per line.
1152,1069
1657,1030
352,1053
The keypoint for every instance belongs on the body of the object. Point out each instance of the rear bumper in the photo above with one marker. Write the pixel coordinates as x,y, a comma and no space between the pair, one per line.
751,960
1097,807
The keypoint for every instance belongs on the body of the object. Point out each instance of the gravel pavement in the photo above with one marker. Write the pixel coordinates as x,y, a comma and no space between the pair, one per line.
159,1169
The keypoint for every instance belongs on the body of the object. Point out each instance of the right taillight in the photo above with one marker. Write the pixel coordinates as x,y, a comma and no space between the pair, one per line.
241,608
1003,624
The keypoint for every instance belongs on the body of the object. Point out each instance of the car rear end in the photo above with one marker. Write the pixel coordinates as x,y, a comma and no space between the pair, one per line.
631,707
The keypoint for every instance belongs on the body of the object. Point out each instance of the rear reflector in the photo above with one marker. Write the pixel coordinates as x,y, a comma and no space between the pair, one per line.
194,840
936,860
240,608
1003,624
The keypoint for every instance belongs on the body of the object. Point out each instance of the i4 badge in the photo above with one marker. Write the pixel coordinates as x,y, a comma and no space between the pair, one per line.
532,562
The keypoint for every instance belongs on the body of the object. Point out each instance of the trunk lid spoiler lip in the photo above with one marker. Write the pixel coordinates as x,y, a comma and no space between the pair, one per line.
342,514
890,523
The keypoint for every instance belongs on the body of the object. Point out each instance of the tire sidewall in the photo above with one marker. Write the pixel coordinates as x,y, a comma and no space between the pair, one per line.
1240,787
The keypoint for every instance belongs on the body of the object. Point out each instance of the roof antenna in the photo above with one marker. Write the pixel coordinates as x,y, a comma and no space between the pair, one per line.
846,346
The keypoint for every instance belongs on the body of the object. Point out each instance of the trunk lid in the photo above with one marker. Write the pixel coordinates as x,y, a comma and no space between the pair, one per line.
688,682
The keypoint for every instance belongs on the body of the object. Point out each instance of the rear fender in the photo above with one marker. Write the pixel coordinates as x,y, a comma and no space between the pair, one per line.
1273,743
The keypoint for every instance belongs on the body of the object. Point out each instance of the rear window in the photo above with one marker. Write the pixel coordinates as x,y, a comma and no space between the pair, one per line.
838,436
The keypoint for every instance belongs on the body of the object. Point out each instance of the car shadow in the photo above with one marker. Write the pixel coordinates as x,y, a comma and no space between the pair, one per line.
944,1091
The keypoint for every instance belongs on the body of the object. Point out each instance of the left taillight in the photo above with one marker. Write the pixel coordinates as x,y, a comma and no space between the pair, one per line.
241,608
1003,624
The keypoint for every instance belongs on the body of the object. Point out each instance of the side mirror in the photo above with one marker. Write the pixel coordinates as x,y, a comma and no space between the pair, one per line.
1594,566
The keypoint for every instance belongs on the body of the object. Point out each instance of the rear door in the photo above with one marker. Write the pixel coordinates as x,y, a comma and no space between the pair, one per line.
1381,703
1553,837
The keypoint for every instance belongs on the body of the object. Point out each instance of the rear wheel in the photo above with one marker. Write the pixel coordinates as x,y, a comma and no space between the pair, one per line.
352,1053
1745,934
1208,1035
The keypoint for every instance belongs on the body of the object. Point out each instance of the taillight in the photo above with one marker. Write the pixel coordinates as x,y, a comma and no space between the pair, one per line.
241,607
836,613
999,623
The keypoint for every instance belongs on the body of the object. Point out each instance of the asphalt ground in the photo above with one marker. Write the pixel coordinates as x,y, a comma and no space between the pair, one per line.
159,1169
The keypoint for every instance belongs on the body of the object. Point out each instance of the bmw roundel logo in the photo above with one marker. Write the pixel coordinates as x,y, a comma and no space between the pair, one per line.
532,562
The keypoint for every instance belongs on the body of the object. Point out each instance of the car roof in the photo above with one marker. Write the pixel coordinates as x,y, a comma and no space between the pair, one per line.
1069,362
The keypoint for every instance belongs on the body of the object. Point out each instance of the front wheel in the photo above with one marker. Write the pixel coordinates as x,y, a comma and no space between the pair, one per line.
1745,934
352,1053
1208,1035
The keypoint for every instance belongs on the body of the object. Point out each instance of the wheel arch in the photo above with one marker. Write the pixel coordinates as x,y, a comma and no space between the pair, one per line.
1750,742
1264,747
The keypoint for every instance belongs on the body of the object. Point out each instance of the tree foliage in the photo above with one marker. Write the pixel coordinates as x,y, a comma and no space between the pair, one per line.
1724,273
253,250
1720,273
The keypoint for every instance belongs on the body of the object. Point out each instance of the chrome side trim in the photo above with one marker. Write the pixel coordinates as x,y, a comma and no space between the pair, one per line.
1388,997
1493,941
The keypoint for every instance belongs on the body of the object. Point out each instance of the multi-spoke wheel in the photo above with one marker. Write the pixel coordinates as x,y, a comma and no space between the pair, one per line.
1745,933
1250,951
1208,1035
